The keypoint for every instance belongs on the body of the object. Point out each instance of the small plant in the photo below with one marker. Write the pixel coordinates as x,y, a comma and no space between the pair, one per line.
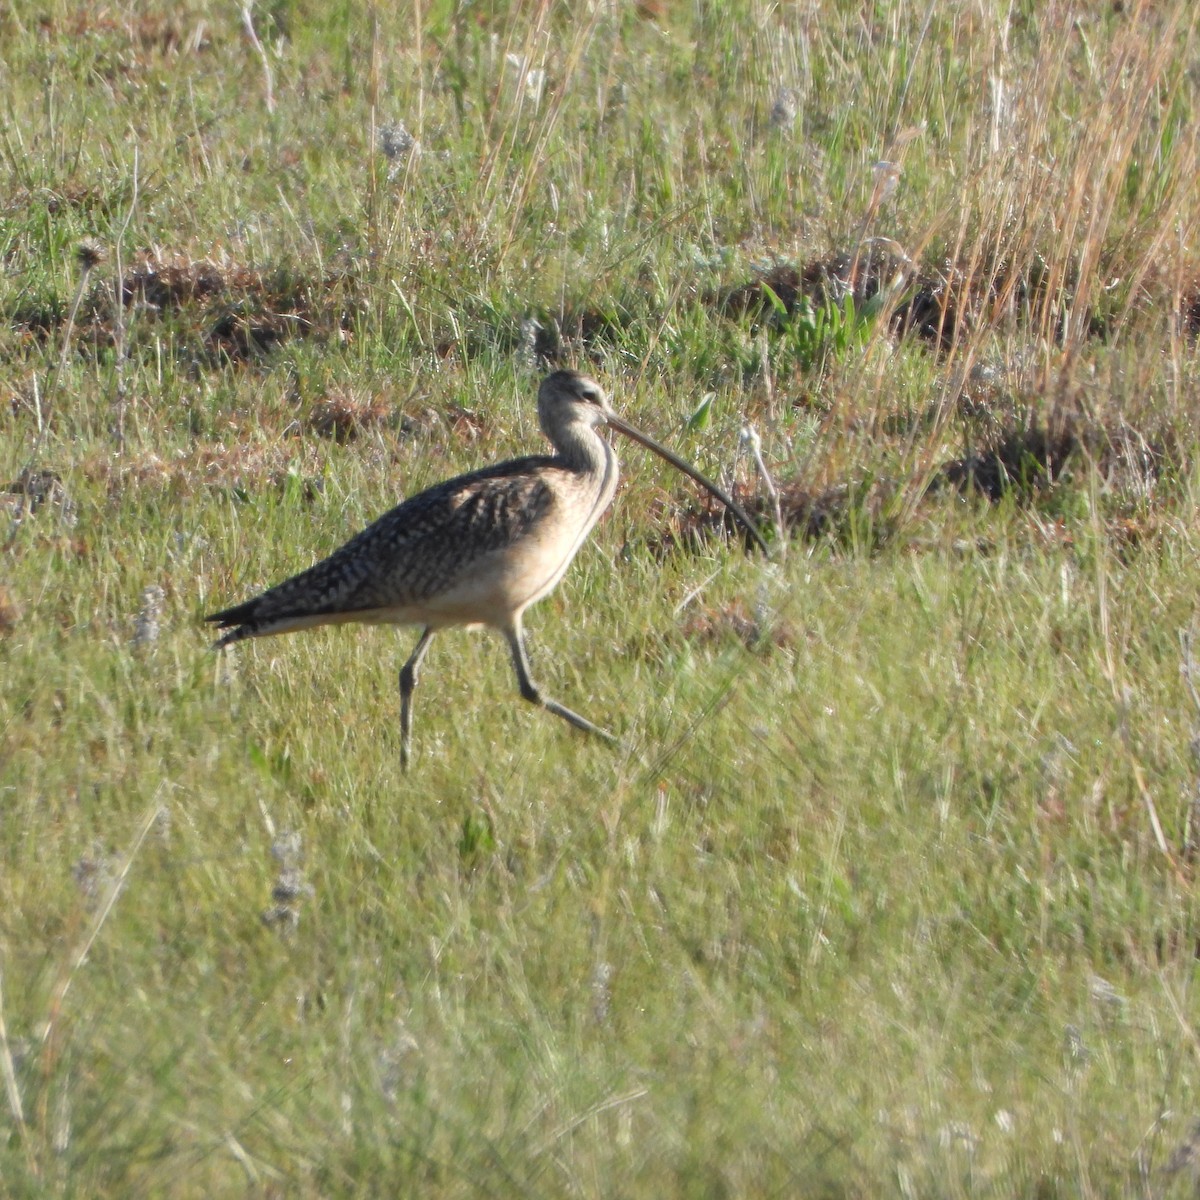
814,333
476,838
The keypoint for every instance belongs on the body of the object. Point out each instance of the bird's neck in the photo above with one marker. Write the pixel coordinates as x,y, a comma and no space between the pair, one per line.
582,450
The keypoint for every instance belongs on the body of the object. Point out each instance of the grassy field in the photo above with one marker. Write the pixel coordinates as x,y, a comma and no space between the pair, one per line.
890,888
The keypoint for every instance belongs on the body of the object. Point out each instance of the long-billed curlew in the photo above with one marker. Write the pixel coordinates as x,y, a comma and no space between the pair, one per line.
475,550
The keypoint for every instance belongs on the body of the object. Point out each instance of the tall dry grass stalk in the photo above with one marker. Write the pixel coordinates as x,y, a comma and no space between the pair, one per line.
1052,245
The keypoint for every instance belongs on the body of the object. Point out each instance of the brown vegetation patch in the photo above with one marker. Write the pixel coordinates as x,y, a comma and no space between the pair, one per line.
467,424
242,469
736,621
1190,308
344,417
937,305
542,339
9,613
32,489
832,278
233,311
814,282
37,316
1029,459
147,32
69,196
1026,460
552,340
175,283
847,513
243,311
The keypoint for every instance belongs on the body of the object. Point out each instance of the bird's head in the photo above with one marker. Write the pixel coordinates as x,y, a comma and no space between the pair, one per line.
572,396
569,398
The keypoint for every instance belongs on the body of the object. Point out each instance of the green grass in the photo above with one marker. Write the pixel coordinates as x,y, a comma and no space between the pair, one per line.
890,886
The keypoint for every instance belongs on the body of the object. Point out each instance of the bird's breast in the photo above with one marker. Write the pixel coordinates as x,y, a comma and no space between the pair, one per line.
501,580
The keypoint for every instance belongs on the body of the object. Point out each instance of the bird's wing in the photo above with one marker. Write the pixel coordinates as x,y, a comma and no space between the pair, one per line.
408,555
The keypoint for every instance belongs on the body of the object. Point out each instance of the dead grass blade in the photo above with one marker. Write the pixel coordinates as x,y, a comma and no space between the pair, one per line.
8,1070
79,957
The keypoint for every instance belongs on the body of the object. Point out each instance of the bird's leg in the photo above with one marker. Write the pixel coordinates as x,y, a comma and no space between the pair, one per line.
408,681
529,689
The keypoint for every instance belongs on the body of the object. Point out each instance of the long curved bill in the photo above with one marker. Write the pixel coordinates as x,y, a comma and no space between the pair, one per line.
730,503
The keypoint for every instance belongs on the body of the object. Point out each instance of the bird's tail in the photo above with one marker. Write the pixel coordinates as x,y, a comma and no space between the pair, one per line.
240,622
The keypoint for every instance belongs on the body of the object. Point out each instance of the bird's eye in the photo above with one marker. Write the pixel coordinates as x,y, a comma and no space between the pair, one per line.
591,395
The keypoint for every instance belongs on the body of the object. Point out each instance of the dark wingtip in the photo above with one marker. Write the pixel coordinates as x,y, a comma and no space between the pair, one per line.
235,630
236,621
239,614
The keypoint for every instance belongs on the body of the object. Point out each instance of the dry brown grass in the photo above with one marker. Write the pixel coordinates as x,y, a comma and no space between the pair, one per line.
344,416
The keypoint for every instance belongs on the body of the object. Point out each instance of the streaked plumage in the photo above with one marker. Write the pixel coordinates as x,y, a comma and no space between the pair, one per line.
475,550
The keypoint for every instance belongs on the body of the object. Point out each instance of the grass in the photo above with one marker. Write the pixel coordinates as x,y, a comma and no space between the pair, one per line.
889,889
